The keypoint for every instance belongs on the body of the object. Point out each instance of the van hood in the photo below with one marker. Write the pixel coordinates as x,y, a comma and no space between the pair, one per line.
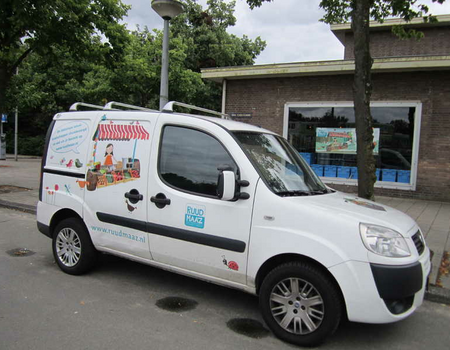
362,210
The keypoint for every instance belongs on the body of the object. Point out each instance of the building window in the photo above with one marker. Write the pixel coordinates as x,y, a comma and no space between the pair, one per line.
324,134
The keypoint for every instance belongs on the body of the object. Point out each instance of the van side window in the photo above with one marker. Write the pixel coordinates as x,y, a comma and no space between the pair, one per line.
189,160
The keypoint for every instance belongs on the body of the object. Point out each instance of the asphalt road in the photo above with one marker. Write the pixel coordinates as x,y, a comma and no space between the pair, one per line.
122,305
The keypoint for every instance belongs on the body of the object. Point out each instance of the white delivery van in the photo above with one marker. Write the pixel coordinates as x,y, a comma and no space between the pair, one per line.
228,203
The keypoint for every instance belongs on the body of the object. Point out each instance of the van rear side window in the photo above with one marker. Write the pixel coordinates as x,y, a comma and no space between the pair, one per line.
189,160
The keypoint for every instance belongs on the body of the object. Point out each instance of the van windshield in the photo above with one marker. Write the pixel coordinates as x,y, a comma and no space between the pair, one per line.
280,165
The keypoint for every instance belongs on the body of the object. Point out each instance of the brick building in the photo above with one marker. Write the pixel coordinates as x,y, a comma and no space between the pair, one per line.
311,104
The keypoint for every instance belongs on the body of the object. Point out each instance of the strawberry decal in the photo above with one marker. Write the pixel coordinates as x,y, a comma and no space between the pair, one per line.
232,265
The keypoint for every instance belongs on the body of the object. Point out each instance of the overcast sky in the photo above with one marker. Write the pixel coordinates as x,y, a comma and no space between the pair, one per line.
291,28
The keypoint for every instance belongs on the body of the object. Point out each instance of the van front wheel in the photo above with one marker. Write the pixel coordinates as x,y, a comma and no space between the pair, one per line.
72,247
300,304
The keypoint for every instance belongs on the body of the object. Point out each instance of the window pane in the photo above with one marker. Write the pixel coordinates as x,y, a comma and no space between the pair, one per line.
326,136
189,160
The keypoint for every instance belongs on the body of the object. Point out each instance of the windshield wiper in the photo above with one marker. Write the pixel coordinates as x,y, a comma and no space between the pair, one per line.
320,191
301,193
293,193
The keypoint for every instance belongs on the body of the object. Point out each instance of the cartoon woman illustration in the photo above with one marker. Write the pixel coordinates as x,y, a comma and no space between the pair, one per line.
109,157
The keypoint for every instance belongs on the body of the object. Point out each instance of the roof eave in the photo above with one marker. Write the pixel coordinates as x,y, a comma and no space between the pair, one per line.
399,64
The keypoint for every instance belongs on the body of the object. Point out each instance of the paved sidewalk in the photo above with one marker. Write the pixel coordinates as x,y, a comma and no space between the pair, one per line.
432,217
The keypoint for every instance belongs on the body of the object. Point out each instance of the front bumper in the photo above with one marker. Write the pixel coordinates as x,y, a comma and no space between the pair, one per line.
397,285
380,293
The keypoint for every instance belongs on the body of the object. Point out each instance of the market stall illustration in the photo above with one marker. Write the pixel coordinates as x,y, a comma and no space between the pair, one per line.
115,137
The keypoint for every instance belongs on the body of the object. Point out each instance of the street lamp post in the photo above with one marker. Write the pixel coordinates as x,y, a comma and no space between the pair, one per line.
167,9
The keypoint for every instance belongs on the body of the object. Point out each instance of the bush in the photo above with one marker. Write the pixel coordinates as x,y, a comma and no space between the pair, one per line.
27,145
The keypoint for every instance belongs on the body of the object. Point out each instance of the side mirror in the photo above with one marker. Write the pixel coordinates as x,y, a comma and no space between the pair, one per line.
226,185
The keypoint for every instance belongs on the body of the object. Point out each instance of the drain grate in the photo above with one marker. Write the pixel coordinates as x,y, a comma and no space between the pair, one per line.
20,252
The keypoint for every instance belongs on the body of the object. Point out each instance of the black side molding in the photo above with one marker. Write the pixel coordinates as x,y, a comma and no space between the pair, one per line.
122,221
197,237
63,173
175,233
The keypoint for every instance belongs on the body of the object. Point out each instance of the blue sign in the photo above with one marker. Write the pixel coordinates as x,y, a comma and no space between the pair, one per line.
4,118
195,216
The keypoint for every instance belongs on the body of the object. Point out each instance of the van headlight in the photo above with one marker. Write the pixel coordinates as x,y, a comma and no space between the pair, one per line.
384,241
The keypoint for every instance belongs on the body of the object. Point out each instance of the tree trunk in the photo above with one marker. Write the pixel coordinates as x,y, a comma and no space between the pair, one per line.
362,89
5,79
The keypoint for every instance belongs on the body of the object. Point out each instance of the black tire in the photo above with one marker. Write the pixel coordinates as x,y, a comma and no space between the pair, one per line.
306,317
72,247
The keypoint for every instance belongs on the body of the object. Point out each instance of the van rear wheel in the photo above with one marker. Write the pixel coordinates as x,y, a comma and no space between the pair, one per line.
72,247
300,304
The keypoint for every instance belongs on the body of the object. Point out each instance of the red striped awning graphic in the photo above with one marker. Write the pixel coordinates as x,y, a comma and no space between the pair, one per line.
121,132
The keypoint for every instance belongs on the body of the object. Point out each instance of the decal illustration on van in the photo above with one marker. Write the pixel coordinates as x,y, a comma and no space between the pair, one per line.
195,215
232,265
119,233
130,207
69,137
113,159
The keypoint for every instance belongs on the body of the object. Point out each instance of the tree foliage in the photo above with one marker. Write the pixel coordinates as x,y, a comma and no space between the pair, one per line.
28,26
54,77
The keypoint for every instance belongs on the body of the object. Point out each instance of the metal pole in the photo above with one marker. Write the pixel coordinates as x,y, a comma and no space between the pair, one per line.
16,127
164,90
1,140
16,132
224,95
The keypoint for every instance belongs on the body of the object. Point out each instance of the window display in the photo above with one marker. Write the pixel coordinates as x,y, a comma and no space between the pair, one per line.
325,135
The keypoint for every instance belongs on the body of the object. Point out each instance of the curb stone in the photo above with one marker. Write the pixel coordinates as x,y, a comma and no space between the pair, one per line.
30,209
438,295
434,294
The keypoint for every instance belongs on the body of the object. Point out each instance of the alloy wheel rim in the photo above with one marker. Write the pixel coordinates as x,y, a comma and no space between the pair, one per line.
68,247
297,306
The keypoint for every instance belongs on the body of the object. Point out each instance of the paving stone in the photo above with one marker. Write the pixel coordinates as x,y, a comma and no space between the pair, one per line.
426,219
417,209
405,205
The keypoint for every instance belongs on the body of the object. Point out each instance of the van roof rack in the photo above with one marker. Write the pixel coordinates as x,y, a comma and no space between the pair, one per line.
168,108
75,106
110,105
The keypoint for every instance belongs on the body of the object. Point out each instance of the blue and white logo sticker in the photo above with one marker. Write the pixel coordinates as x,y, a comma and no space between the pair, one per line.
195,215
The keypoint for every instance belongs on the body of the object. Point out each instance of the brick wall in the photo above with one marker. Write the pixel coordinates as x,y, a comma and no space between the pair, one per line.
385,44
266,99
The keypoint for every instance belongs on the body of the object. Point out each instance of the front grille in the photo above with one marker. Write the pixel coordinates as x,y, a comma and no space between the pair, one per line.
419,242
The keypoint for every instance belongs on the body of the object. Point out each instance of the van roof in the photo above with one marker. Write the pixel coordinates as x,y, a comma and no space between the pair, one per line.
225,123
230,124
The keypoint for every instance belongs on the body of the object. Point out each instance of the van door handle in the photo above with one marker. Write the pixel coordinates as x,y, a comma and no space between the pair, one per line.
134,196
160,200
